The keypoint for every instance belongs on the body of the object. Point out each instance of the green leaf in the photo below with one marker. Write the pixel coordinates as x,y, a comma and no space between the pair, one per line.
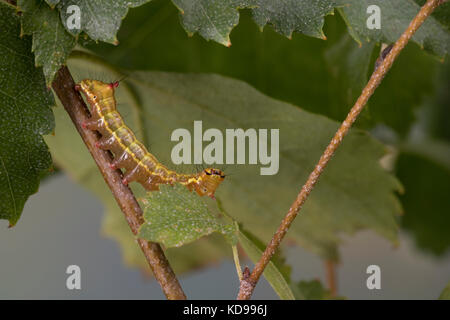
287,16
51,43
100,19
341,203
195,255
312,290
395,18
445,295
273,272
175,216
25,115
212,19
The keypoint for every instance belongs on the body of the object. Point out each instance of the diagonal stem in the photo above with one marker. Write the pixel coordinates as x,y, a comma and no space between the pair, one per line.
63,85
248,284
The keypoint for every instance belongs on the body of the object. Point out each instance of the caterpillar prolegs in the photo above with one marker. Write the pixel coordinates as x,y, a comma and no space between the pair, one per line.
139,164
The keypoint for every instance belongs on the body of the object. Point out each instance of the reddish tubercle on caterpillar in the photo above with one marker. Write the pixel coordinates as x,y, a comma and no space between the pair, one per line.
114,84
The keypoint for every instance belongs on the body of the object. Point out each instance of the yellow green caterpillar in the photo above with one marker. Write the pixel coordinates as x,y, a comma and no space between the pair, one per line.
139,164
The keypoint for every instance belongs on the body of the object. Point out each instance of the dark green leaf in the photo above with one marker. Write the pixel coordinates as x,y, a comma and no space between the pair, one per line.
215,19
51,43
212,19
395,18
100,19
25,115
304,16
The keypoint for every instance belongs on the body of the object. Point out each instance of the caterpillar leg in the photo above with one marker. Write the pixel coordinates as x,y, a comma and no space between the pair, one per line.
151,183
91,124
105,143
120,162
131,175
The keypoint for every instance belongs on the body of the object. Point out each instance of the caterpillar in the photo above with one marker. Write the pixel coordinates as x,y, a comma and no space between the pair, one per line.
130,154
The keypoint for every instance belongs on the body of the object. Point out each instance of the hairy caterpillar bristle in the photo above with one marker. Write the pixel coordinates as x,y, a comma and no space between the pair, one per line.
129,154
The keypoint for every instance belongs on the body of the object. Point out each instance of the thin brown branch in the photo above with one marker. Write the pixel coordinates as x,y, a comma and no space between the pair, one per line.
247,288
330,270
63,85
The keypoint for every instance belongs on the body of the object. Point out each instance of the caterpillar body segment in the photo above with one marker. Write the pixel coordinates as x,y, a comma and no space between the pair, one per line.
130,154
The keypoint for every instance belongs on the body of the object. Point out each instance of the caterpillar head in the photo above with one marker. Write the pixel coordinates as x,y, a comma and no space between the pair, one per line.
96,90
208,181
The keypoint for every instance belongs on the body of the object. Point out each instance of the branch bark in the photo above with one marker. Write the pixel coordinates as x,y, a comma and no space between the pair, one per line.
247,288
63,85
